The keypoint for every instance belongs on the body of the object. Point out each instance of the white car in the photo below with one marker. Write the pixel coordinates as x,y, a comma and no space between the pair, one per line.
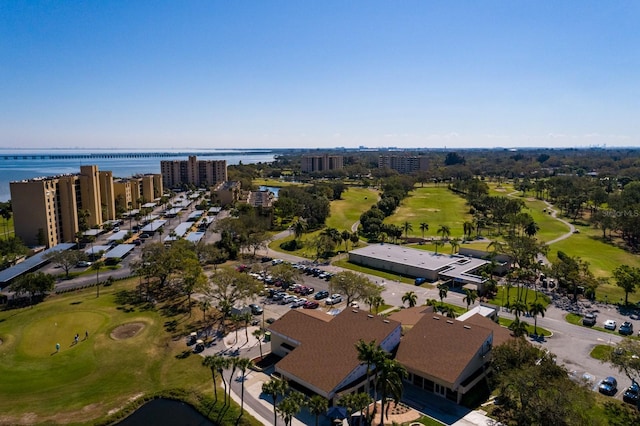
610,325
298,302
333,299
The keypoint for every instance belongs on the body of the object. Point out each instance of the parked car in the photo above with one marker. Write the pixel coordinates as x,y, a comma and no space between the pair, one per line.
287,299
610,325
298,302
83,264
307,291
632,394
420,280
143,236
589,319
322,294
626,329
334,299
256,309
609,386
311,304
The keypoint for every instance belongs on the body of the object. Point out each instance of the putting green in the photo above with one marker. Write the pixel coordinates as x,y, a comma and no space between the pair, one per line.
40,337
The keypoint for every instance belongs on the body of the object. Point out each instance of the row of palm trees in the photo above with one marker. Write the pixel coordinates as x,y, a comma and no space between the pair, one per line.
218,364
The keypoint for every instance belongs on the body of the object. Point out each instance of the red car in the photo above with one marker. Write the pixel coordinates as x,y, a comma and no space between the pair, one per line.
311,304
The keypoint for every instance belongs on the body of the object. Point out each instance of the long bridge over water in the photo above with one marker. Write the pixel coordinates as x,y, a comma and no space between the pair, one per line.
67,156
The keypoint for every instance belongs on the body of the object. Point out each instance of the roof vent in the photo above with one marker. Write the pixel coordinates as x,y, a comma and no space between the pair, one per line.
449,322
370,316
385,321
467,327
436,318
355,311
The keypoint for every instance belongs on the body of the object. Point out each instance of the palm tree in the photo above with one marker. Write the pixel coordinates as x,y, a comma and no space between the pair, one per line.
448,311
455,244
518,328
443,289
360,401
213,362
247,317
299,227
275,388
243,365
367,354
424,226
406,226
438,243
444,231
346,236
317,405
258,333
375,302
204,305
390,383
290,406
518,308
354,239
536,308
236,319
411,298
496,247
470,297
467,228
96,266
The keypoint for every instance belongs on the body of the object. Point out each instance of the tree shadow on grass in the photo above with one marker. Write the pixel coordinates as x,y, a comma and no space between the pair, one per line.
184,354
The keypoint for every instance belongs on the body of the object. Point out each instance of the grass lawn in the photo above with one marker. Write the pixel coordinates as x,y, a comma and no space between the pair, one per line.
530,327
344,213
528,294
434,205
277,183
84,382
355,201
603,258
382,274
600,352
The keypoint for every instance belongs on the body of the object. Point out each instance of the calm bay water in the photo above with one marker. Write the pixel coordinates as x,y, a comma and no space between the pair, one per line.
12,168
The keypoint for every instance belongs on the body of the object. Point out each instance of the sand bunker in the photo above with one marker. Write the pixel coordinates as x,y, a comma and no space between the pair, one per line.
127,331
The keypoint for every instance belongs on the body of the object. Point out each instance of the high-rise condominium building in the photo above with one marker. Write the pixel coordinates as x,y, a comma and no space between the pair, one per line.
403,163
193,171
132,192
51,210
321,163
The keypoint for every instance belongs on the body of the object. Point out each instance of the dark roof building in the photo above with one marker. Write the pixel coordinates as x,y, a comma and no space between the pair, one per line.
319,349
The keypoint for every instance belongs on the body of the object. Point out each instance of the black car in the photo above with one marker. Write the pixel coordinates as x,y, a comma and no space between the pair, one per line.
609,386
626,329
589,319
632,394
256,309
322,294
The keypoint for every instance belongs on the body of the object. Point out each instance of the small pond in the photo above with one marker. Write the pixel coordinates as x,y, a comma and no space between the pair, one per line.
166,412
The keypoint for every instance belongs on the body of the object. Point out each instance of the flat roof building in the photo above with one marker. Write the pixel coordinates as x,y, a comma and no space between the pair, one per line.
419,263
193,171
321,163
51,210
404,164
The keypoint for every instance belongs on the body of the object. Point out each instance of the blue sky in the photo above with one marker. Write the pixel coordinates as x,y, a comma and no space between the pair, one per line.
233,74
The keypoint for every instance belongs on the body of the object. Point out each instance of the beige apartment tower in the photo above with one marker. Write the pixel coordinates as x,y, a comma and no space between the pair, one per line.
321,163
201,173
46,210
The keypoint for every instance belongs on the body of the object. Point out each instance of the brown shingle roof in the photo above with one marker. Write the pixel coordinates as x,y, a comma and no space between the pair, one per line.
440,347
327,354
500,334
410,316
